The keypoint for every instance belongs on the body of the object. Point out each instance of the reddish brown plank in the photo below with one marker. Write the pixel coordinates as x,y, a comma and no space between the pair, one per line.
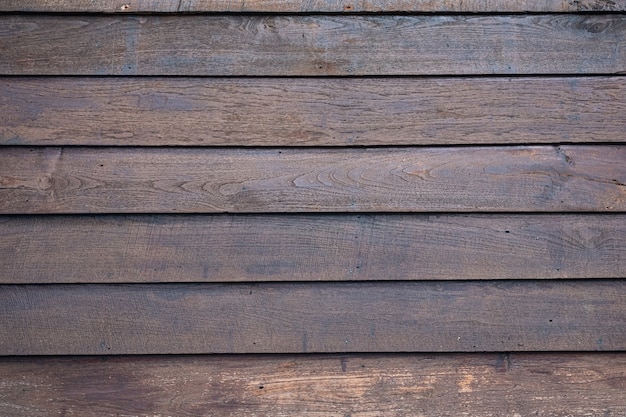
228,248
168,180
311,112
420,316
283,45
291,6
482,385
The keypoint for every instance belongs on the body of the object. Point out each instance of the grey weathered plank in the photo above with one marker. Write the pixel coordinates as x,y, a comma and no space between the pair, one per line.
182,248
311,112
291,6
443,316
210,180
283,45
481,385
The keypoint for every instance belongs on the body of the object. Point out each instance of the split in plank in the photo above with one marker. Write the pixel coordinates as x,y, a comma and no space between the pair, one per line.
229,248
308,6
210,180
310,112
481,385
281,45
392,316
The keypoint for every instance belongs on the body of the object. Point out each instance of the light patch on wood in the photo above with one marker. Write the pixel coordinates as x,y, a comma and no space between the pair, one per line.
334,388
406,384
465,384
40,182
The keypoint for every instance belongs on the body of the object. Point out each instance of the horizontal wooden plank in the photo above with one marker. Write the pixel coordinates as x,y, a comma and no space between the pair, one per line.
481,385
282,45
442,316
295,6
209,180
229,248
311,112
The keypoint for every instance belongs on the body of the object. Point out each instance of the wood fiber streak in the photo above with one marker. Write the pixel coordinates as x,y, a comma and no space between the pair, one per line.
310,112
168,180
418,316
230,248
481,385
281,45
295,6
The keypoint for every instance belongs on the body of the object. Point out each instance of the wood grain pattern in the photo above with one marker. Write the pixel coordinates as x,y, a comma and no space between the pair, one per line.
337,248
168,180
345,6
418,316
481,385
228,248
310,112
281,45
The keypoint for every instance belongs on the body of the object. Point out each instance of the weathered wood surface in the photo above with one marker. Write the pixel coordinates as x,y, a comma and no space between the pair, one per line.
295,6
282,45
443,316
228,248
311,112
481,385
209,180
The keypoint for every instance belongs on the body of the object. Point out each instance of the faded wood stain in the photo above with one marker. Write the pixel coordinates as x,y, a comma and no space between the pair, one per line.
383,207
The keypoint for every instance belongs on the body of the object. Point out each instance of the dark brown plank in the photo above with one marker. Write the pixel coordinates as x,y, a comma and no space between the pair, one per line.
311,112
443,316
229,248
312,45
482,385
208,180
291,6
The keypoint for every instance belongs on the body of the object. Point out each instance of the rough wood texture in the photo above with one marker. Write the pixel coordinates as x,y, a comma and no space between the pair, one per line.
312,45
346,6
302,267
310,112
482,385
444,316
227,248
154,180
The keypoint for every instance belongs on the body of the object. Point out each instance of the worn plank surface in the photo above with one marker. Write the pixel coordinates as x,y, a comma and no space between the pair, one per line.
227,248
311,112
481,385
152,180
443,316
478,271
312,45
295,6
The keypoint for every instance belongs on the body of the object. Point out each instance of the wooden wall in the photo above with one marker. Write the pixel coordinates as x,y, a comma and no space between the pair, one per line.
324,208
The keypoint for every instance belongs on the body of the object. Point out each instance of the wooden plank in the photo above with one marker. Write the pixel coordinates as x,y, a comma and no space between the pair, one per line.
168,180
295,6
311,112
482,385
417,316
229,248
282,45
